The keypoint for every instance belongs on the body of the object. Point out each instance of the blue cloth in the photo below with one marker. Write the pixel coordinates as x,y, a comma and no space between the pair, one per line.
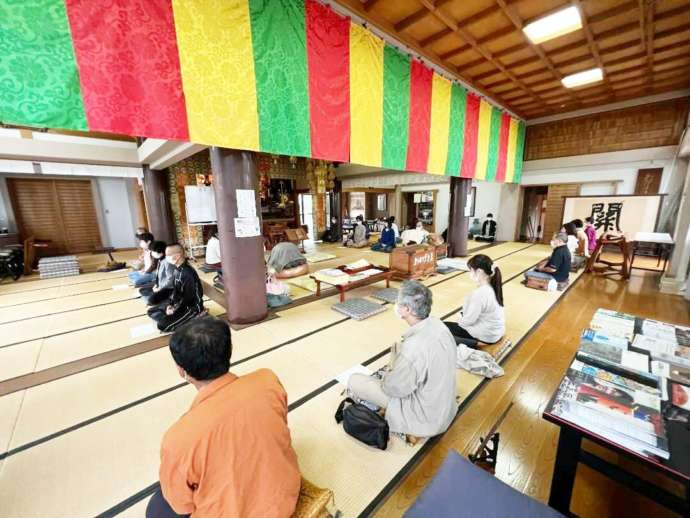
462,489
141,279
388,237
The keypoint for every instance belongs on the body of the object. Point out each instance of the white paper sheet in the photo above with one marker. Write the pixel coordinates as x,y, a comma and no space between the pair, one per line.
247,227
357,369
142,330
246,203
120,287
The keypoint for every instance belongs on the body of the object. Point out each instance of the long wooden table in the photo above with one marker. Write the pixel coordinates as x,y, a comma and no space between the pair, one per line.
385,275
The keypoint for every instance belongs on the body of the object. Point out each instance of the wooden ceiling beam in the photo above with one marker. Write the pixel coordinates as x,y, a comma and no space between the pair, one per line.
518,24
435,37
369,4
591,43
468,38
416,16
614,11
476,17
647,35
386,26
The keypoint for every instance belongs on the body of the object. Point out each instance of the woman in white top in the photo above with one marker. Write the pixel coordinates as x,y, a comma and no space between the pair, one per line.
482,318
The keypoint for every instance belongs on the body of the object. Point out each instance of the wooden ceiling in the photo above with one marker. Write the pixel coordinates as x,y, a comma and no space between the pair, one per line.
643,46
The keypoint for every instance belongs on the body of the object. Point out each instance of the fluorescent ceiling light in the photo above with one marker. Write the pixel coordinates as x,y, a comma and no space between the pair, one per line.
583,78
554,25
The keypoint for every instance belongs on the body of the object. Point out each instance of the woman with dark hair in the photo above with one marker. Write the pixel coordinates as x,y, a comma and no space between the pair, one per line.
387,241
575,247
571,232
482,318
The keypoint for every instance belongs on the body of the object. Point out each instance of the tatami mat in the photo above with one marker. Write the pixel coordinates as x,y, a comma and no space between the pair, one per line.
125,445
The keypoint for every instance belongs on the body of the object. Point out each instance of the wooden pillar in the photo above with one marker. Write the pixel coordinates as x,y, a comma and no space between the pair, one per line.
458,223
157,205
242,258
337,207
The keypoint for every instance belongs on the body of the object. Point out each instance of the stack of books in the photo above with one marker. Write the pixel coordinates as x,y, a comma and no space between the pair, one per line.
614,407
62,266
626,374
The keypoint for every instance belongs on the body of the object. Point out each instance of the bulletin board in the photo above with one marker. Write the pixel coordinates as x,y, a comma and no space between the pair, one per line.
200,204
625,214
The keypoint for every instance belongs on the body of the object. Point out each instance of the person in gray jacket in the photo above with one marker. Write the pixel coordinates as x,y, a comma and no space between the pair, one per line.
419,389
163,286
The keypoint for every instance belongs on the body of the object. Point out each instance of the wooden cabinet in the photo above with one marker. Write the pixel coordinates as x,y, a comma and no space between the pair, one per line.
413,262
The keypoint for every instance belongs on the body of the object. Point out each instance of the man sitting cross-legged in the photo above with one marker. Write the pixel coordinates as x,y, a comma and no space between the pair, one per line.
230,454
162,288
186,298
418,391
556,267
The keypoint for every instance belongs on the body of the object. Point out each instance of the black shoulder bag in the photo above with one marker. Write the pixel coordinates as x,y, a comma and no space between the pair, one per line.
363,424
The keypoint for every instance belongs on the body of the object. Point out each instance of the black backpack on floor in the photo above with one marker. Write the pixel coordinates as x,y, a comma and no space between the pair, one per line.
363,424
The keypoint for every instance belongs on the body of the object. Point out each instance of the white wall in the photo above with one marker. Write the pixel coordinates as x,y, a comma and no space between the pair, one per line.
116,214
619,166
488,199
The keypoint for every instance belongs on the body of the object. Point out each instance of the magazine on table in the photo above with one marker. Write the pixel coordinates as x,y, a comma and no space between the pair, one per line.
613,324
659,330
642,377
628,417
680,395
613,349
653,345
670,371
616,379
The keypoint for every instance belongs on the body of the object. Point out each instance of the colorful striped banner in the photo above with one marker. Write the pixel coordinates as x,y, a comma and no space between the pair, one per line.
440,125
291,77
366,97
396,107
420,117
328,53
457,130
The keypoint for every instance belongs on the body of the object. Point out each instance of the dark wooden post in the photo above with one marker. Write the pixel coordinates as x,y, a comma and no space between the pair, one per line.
242,258
156,201
458,223
337,208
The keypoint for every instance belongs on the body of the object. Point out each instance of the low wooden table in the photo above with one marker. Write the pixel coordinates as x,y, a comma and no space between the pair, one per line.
385,275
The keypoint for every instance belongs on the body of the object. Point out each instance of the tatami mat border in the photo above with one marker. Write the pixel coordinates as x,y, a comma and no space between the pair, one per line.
130,501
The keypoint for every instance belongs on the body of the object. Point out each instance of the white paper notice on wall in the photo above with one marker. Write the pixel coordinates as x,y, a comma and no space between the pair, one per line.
247,227
468,205
246,203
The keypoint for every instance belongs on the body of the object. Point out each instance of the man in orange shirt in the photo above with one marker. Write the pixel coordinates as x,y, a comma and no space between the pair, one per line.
230,455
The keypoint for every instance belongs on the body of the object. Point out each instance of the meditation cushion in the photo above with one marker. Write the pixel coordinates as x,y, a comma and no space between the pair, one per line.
313,501
462,489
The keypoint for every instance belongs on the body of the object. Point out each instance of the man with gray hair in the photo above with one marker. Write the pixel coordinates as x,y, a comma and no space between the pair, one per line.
418,390
556,267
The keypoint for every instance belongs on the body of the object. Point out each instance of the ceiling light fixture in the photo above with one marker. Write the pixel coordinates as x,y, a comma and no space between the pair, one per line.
554,25
583,78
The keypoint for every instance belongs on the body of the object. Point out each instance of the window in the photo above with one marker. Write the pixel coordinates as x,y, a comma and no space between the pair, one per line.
381,203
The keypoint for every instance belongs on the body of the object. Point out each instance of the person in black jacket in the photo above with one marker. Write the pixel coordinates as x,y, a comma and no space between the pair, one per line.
186,300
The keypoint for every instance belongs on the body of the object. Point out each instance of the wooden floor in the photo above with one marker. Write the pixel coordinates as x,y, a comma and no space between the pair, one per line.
528,443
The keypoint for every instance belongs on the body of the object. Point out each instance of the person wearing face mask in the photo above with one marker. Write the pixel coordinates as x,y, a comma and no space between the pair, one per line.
557,266
488,229
418,390
185,301
147,273
162,288
482,318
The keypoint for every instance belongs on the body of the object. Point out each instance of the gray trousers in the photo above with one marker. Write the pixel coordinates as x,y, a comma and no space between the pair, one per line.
368,388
